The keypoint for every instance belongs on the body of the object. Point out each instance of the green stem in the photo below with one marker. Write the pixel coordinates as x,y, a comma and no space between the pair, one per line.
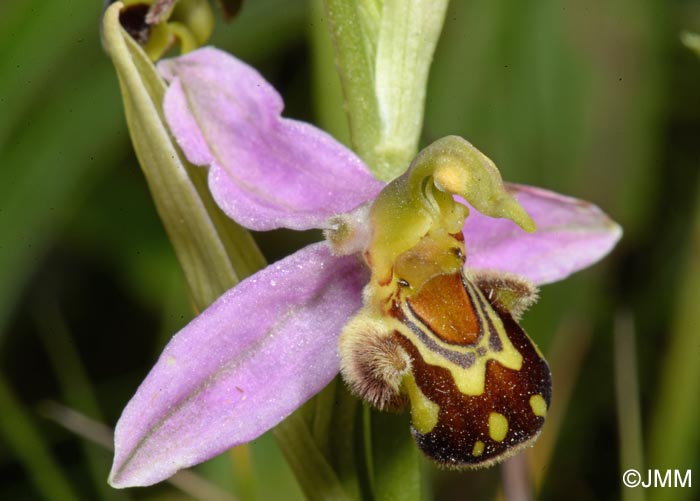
627,399
315,475
396,460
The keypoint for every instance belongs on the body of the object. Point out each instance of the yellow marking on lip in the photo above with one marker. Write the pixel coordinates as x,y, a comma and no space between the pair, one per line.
498,426
424,412
538,405
478,449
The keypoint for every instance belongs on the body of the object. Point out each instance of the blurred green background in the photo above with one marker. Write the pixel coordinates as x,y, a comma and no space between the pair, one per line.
593,98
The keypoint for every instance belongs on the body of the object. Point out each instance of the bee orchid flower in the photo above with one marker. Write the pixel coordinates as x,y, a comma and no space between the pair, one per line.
272,342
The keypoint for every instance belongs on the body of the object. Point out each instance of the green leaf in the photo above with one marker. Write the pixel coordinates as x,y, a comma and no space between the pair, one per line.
384,50
76,388
19,433
674,434
38,41
46,171
214,252
692,41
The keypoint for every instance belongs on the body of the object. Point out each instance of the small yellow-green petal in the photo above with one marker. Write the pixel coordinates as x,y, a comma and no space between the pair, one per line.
198,17
187,22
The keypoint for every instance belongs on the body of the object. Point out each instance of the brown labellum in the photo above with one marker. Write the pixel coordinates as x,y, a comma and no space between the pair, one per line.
506,416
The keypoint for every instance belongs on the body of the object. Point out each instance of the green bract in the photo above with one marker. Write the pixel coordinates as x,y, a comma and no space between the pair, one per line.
214,252
384,50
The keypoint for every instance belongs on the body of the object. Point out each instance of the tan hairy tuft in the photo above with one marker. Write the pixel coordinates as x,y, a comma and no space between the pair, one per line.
373,363
505,291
